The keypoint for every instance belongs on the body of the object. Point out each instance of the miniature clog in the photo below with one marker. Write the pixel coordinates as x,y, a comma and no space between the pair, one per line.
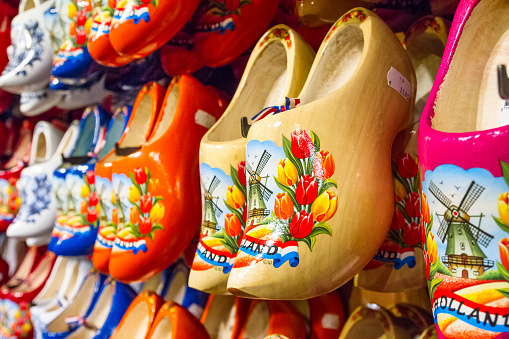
463,154
224,29
139,317
137,132
174,321
157,196
224,316
139,28
276,69
399,264
30,55
302,193
77,235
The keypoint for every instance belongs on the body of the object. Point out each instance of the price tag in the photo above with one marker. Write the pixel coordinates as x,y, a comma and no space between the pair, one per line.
204,119
397,81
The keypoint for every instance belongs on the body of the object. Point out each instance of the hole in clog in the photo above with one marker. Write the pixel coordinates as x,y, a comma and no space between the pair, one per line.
214,321
336,65
257,325
86,137
468,99
136,325
163,329
113,135
168,113
40,152
54,285
368,328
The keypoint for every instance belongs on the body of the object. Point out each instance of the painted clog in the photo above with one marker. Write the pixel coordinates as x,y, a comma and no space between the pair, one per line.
157,194
273,318
276,69
398,265
140,27
37,102
30,55
464,178
302,193
174,321
225,29
139,317
373,321
224,316
29,262
92,92
39,207
139,127
77,235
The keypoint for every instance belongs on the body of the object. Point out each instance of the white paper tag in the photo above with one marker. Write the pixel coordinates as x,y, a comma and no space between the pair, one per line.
397,81
504,113
204,119
330,321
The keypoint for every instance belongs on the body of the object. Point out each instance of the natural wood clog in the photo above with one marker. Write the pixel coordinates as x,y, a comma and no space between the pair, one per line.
311,184
276,69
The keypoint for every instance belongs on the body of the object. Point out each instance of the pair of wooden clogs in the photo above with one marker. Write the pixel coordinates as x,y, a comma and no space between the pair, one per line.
296,200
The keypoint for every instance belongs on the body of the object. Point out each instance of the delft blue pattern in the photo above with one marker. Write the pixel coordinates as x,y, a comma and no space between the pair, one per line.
36,197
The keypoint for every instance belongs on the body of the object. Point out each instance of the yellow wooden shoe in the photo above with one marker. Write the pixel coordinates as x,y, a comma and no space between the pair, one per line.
399,263
320,196
277,68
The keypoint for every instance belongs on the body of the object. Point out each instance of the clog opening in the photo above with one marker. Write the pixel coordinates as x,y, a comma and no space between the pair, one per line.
113,135
163,329
257,324
24,268
73,286
468,98
37,277
97,317
86,137
336,65
425,51
136,325
178,287
367,328
40,151
226,327
77,308
214,319
54,285
29,4
168,111
265,85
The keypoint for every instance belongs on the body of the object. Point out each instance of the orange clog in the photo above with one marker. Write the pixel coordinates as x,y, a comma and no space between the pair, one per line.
158,186
218,319
138,129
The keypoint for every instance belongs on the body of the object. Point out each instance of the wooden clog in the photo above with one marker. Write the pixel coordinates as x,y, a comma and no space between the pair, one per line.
310,185
224,316
139,127
276,69
463,154
399,264
157,193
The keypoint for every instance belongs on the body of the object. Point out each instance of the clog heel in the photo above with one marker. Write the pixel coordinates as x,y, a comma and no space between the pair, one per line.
157,196
139,127
276,69
463,154
310,187
399,263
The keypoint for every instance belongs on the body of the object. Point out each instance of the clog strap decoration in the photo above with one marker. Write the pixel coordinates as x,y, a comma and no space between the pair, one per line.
273,110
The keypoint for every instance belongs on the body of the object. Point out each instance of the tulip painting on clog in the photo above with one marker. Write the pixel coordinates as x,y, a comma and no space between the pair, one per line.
462,212
139,211
224,217
226,28
15,320
10,201
76,235
73,60
108,217
296,180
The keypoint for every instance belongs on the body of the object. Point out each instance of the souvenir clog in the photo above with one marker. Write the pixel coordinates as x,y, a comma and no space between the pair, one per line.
325,315
38,211
139,317
224,316
463,157
30,55
157,196
302,192
174,321
139,27
31,258
419,316
77,235
276,69
37,102
375,322
92,92
139,127
225,29
273,318
398,265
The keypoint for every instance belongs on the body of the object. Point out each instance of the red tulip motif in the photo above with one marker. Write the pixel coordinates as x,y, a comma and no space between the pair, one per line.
92,215
145,203
232,225
301,224
412,234
140,176
90,177
93,199
398,220
307,190
145,225
412,206
407,166
323,166
302,145
242,172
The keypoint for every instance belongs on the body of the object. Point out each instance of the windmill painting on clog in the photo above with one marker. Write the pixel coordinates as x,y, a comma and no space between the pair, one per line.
398,265
226,28
464,177
276,69
139,27
313,191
